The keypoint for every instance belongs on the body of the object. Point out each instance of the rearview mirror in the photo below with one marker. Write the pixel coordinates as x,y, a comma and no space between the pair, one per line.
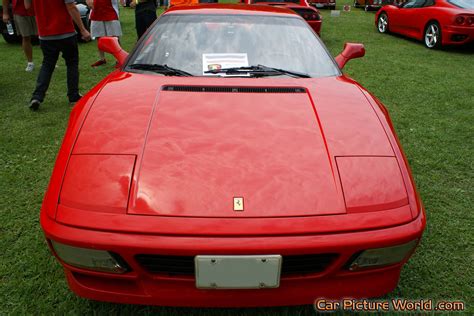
351,51
112,46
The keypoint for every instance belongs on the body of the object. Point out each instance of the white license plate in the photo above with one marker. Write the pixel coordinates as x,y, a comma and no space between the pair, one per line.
238,272
319,5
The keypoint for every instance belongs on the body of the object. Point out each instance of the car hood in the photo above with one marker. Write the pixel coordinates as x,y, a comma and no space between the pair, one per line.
202,145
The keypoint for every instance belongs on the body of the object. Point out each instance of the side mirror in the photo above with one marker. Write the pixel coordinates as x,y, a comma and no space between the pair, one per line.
112,46
351,51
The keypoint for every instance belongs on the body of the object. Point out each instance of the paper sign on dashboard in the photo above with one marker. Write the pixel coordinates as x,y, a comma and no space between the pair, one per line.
220,61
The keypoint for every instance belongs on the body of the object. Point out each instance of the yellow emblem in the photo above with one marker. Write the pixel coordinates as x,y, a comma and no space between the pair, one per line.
238,204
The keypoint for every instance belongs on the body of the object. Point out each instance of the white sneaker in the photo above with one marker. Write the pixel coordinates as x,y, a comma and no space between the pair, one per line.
30,67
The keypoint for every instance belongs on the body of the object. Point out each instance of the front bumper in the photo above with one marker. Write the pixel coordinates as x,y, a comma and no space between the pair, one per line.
142,287
457,35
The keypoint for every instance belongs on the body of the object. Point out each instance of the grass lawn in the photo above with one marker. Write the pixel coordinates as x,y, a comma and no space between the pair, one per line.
430,96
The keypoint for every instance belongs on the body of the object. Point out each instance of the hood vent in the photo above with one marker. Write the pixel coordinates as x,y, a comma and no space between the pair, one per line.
229,89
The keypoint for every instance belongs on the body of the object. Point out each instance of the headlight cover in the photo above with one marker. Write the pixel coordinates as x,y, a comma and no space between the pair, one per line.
371,183
91,259
98,183
378,257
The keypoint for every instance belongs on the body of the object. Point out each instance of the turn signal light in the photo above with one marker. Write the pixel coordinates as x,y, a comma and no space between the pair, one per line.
379,257
91,259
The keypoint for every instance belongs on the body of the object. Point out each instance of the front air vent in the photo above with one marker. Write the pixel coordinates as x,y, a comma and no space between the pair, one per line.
184,265
227,89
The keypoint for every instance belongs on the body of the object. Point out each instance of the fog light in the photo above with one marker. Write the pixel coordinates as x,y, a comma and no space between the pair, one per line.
92,259
458,37
382,256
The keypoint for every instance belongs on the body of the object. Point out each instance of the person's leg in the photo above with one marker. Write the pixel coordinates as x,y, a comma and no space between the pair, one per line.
50,57
139,25
143,20
114,29
25,29
98,30
102,60
148,18
71,56
27,48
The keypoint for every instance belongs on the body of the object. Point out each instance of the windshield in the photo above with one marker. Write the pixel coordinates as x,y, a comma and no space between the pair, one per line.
199,43
465,4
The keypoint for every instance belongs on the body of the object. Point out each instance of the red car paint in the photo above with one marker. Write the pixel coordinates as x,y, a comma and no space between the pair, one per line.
413,22
303,3
153,171
318,4
372,4
311,15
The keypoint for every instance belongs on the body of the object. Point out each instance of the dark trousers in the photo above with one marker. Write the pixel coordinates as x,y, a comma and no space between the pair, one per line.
143,20
70,53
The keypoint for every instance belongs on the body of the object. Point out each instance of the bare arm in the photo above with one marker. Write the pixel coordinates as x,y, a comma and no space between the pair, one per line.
76,17
27,4
6,16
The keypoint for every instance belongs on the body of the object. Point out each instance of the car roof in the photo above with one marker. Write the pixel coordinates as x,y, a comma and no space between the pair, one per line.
246,9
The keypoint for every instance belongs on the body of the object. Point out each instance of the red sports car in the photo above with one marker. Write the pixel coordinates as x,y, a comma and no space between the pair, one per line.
319,4
369,5
307,12
229,162
435,22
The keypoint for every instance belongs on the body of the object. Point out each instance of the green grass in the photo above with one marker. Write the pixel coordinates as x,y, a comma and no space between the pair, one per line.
430,97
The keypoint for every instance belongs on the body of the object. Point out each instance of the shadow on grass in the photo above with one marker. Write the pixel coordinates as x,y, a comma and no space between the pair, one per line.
301,310
111,308
466,49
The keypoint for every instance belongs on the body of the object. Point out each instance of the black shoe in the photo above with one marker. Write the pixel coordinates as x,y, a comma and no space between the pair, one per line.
34,104
73,101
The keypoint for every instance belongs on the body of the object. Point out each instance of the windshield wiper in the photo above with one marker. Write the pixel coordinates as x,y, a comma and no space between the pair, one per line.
161,69
258,71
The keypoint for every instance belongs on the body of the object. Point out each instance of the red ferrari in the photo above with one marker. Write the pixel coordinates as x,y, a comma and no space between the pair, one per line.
435,22
229,162
319,4
311,15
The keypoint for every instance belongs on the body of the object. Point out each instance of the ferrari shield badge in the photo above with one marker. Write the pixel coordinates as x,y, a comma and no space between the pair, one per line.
238,204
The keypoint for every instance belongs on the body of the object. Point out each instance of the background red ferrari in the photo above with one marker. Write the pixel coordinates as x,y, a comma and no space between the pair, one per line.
311,15
319,4
435,22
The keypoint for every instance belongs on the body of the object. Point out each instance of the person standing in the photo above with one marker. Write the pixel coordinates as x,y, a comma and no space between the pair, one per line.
145,14
104,22
25,25
57,35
